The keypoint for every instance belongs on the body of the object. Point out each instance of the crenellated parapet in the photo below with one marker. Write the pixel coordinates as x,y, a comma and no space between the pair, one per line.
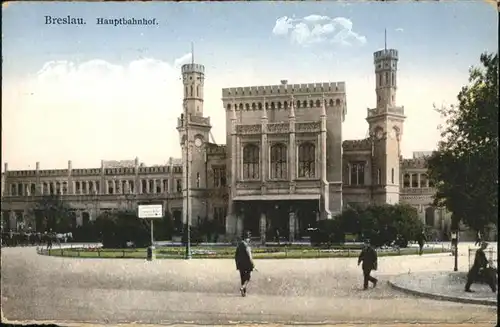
419,163
279,97
357,145
284,89
215,149
385,54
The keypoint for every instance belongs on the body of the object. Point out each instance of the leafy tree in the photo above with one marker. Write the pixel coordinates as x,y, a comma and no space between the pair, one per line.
381,223
56,214
118,228
465,167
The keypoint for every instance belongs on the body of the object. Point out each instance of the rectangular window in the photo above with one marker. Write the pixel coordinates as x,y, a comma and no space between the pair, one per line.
179,186
392,176
358,173
219,177
198,180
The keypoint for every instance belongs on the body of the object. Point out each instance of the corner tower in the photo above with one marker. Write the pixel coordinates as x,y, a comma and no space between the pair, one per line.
194,132
193,77
386,129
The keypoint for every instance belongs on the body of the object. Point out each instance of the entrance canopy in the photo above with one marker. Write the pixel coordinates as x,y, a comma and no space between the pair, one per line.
277,197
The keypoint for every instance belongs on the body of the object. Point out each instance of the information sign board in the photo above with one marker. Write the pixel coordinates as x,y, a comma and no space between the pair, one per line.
150,211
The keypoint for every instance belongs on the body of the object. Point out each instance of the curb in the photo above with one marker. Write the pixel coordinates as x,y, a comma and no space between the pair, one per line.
440,297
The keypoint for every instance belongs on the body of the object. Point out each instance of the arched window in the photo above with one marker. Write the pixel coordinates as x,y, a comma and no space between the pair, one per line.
272,106
337,102
251,162
278,161
304,104
228,106
197,90
298,103
331,102
406,180
392,176
393,80
307,160
241,106
131,186
186,93
285,105
247,106
144,186
279,105
191,90
318,103
33,189
151,187
386,78
379,177
380,80
253,106
311,104
260,105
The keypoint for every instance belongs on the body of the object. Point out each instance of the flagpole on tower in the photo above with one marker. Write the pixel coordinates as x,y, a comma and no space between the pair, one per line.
192,52
385,38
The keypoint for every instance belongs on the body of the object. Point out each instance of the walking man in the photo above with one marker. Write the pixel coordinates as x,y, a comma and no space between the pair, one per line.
244,263
478,238
421,239
480,269
369,258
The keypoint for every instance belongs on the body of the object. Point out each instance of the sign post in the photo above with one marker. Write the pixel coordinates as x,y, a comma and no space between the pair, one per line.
151,212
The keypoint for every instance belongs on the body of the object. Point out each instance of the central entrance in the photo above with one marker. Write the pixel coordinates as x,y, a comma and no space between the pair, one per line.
277,217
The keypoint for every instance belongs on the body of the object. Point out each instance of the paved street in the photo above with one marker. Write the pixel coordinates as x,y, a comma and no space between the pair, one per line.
38,287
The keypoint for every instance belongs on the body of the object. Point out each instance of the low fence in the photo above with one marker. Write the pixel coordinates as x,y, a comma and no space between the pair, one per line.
491,256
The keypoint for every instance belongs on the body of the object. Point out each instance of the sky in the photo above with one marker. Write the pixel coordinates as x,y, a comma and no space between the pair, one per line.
91,92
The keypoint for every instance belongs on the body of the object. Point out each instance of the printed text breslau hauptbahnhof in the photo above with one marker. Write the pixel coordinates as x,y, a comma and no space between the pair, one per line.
126,21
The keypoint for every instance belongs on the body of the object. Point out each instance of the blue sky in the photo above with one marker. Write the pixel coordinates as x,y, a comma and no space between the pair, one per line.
437,43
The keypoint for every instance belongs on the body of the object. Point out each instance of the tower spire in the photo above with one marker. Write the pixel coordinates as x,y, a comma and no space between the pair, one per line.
192,52
385,38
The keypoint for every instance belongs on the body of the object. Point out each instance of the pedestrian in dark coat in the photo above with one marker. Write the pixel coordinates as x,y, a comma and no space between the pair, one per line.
244,263
421,239
480,268
369,258
478,238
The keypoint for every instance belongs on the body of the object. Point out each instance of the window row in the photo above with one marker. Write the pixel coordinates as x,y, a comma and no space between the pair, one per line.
417,180
279,161
157,186
282,105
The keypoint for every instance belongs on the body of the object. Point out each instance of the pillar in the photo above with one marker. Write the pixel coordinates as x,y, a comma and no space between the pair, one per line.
79,218
239,224
106,187
154,186
291,225
263,229
418,178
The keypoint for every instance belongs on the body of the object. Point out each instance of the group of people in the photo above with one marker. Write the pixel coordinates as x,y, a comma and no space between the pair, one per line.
23,238
245,264
481,270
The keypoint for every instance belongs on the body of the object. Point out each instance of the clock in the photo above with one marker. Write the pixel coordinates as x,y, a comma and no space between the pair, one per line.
198,142
379,133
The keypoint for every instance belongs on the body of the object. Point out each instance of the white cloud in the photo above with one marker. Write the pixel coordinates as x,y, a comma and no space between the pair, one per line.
183,60
315,29
283,24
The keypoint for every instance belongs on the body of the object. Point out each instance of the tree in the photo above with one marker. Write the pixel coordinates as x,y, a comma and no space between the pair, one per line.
55,213
118,228
381,223
465,167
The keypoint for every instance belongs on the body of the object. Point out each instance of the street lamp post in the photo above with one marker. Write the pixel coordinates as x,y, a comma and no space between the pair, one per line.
188,218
